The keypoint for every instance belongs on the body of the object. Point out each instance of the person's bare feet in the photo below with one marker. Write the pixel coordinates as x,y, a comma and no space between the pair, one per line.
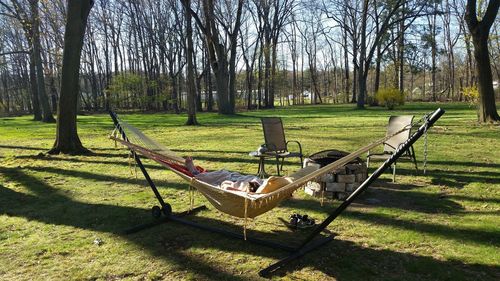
190,165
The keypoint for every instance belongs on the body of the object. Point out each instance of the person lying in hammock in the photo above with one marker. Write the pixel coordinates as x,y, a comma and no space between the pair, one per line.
228,180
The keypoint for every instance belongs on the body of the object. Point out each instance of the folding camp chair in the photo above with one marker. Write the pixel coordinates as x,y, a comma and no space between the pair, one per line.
396,123
276,143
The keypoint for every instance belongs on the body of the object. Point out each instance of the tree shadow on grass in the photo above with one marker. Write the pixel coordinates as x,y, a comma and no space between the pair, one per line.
374,197
340,259
41,148
485,237
22,147
474,199
90,176
458,179
465,164
122,155
51,207
345,260
408,199
211,151
120,160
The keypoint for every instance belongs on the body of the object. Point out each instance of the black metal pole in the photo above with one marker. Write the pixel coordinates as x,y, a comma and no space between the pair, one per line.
295,255
150,181
139,162
401,149
117,124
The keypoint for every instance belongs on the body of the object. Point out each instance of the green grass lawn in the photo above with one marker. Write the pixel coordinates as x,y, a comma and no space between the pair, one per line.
440,226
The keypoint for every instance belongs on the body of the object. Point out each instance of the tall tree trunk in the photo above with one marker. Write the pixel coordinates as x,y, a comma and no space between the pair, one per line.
487,107
378,60
480,32
67,140
267,71
470,77
401,46
363,67
272,82
259,82
191,89
434,55
208,87
42,93
346,63
34,90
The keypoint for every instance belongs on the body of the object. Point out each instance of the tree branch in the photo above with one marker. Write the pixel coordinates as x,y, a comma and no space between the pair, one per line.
14,53
470,14
491,13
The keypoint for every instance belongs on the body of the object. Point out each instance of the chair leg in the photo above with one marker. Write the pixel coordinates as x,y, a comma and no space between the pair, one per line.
259,168
282,162
278,165
367,162
394,173
301,162
414,157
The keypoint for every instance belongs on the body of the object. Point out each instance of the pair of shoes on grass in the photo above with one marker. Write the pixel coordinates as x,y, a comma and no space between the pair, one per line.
301,221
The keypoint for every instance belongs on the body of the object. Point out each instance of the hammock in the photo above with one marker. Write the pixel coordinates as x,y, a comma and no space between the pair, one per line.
235,203
242,204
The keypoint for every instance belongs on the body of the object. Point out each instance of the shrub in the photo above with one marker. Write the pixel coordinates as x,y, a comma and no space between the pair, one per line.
471,94
390,97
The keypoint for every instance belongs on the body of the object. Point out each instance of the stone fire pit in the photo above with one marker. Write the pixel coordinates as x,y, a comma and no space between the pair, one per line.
339,183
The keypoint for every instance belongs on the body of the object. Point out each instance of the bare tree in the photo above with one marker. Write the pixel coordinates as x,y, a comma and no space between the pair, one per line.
480,30
30,21
67,140
217,25
191,89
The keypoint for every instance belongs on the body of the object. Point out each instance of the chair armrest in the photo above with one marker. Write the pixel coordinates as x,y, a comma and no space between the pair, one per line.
390,145
298,143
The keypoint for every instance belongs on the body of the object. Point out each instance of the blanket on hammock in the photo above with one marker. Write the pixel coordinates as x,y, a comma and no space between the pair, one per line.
228,180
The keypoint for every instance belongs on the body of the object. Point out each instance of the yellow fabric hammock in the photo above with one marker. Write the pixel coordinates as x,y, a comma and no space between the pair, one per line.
250,205
238,203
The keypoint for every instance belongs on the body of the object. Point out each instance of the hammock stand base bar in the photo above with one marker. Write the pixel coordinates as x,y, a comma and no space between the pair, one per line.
299,252
310,243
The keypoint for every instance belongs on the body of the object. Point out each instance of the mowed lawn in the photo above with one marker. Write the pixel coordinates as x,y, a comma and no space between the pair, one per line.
440,226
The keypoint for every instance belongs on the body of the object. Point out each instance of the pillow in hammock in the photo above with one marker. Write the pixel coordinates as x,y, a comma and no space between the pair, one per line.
273,183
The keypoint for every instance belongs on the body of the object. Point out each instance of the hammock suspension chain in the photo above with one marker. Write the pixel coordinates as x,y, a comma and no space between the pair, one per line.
425,121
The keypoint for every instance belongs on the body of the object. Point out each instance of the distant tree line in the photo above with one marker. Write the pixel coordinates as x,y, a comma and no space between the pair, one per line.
226,55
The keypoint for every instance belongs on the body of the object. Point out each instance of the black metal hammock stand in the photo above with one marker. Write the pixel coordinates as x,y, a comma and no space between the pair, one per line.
311,242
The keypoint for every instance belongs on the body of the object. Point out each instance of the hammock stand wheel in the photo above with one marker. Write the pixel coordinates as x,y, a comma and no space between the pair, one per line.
156,212
310,243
